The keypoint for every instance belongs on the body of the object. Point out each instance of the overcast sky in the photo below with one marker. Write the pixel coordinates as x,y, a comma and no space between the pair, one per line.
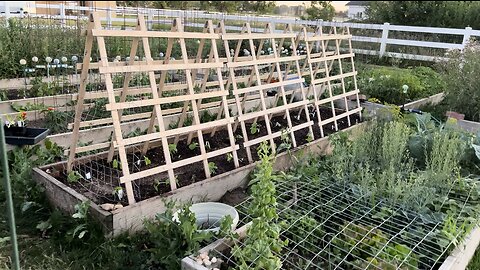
339,5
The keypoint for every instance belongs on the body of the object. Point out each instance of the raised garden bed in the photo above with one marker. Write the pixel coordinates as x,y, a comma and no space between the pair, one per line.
64,195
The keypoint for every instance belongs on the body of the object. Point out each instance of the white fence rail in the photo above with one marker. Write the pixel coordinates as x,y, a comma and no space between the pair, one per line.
123,14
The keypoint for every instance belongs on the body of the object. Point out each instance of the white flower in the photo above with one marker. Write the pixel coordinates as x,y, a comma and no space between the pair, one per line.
23,62
56,61
371,79
144,58
283,48
161,54
64,59
198,40
291,47
118,58
262,52
387,76
172,58
91,59
269,49
35,59
127,58
405,88
136,58
48,59
115,60
74,58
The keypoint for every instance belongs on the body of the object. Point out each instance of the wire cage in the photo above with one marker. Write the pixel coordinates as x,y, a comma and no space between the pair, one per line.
332,225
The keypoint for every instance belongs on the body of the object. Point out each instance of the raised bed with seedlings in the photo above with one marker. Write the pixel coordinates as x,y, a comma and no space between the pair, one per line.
198,141
399,196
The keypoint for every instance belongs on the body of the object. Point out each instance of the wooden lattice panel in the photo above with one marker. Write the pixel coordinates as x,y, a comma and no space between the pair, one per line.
256,84
190,99
273,92
323,81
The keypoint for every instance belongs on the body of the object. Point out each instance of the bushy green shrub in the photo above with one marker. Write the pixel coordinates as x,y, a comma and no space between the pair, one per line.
461,73
387,84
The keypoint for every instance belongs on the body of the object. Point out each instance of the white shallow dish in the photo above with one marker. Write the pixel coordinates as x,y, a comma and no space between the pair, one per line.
210,214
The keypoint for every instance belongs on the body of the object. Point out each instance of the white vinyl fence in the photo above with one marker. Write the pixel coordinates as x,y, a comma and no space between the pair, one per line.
383,40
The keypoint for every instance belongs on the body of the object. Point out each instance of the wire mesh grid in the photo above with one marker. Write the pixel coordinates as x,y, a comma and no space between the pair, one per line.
330,225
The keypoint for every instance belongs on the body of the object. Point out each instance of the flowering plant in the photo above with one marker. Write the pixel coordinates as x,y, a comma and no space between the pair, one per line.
18,121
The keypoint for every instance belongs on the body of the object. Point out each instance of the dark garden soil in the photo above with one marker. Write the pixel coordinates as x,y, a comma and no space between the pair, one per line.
104,177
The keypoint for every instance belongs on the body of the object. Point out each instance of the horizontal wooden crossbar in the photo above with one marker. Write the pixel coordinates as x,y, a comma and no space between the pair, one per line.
263,61
328,37
332,78
256,36
267,86
164,100
336,97
152,34
147,68
332,57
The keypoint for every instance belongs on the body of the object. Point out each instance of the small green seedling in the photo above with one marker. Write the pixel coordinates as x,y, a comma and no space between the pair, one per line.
172,148
193,146
73,177
212,167
116,164
229,157
254,128
118,191
147,160
309,137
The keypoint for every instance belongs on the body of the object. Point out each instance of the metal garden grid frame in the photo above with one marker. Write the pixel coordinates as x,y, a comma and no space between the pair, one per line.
338,210
198,89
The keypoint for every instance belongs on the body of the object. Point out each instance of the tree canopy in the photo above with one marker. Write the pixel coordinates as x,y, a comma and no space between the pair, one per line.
320,10
454,14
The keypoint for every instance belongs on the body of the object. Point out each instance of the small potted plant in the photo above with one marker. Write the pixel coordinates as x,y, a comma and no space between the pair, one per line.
16,126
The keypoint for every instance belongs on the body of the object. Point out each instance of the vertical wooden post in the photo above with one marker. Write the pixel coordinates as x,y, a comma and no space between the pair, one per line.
81,93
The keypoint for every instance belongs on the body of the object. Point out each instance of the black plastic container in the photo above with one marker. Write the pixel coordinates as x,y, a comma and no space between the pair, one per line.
25,135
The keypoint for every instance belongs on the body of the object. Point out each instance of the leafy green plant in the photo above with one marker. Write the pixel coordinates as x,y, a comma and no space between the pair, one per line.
229,157
81,212
116,164
74,176
173,238
57,120
263,236
309,137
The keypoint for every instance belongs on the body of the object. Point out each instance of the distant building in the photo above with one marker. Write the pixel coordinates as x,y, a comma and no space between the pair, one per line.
356,9
285,10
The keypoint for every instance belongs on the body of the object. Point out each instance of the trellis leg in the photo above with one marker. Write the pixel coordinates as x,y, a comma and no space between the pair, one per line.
327,75
157,108
196,117
299,72
203,87
259,82
161,84
235,92
312,85
118,137
224,98
354,72
81,93
126,82
282,89
337,43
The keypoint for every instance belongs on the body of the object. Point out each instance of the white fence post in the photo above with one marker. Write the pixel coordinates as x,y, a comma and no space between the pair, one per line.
150,19
109,18
466,36
7,11
62,14
383,42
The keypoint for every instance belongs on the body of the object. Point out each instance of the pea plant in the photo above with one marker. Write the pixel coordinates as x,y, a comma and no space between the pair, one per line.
263,236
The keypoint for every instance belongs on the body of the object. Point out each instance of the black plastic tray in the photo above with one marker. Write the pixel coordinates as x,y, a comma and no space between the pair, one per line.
31,137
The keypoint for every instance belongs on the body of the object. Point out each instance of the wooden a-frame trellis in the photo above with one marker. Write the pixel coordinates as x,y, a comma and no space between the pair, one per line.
118,142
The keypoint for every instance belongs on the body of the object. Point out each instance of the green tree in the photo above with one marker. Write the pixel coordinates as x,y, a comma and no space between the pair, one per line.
454,14
261,7
320,10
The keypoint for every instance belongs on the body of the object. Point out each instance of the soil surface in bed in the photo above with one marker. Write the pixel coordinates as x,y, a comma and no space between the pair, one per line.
103,177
